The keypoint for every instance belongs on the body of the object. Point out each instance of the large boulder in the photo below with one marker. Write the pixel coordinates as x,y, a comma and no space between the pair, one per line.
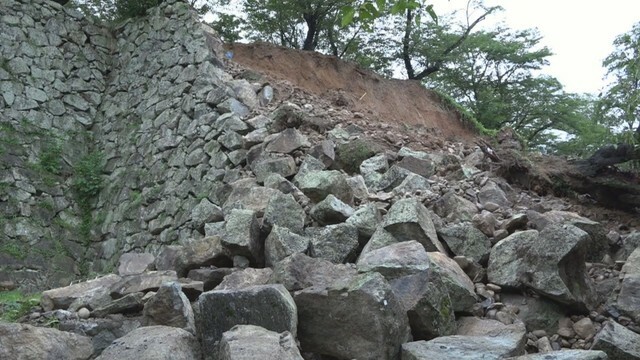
628,301
268,306
193,254
336,243
458,285
453,207
494,344
84,293
281,243
25,342
465,240
300,271
331,320
134,263
565,355
318,184
242,235
244,342
597,244
154,343
149,281
245,278
170,307
408,220
283,210
552,262
395,260
617,341
427,303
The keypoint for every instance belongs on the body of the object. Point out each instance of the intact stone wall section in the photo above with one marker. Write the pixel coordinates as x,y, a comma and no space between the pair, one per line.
54,64
158,131
150,97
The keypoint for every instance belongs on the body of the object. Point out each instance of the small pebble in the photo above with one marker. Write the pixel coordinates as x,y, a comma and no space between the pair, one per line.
84,313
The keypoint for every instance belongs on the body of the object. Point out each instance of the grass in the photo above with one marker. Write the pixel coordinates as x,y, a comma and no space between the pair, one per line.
465,115
13,249
14,304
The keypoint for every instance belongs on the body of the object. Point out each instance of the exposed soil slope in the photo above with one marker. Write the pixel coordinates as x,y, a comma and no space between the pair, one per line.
385,100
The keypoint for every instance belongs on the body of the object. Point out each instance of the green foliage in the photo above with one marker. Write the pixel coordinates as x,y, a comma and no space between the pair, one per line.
465,115
125,9
13,249
50,159
228,27
367,11
619,105
14,304
87,183
87,177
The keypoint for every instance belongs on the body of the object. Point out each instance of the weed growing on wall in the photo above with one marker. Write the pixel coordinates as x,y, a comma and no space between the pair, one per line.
14,304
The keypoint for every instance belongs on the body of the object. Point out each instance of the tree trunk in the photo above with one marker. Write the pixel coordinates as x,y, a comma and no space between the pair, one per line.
312,32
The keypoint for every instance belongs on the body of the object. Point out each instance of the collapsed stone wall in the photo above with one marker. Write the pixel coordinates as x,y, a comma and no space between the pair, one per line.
107,136
54,66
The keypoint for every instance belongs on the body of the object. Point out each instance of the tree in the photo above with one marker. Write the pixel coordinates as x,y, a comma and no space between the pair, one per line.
293,23
430,45
620,103
493,73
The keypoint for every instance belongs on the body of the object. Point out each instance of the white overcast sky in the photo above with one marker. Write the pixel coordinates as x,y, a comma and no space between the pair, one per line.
579,32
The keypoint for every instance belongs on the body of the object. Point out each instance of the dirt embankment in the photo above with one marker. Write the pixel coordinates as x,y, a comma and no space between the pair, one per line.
384,100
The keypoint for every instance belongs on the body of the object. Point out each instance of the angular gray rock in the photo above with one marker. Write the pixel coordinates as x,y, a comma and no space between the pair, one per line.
491,192
244,342
617,341
22,341
283,210
245,278
287,141
331,320
268,306
300,271
331,211
551,262
419,166
598,244
281,164
154,343
149,281
170,307
454,207
135,263
408,219
465,240
127,304
427,303
539,314
336,243
467,347
458,285
210,277
318,184
281,243
628,300
366,218
395,260
62,298
242,235
565,355
195,253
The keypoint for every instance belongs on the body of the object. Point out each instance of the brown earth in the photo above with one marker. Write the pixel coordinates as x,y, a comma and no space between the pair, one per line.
404,113
379,99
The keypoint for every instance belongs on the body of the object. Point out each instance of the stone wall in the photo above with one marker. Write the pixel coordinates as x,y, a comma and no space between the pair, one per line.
134,111
54,66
